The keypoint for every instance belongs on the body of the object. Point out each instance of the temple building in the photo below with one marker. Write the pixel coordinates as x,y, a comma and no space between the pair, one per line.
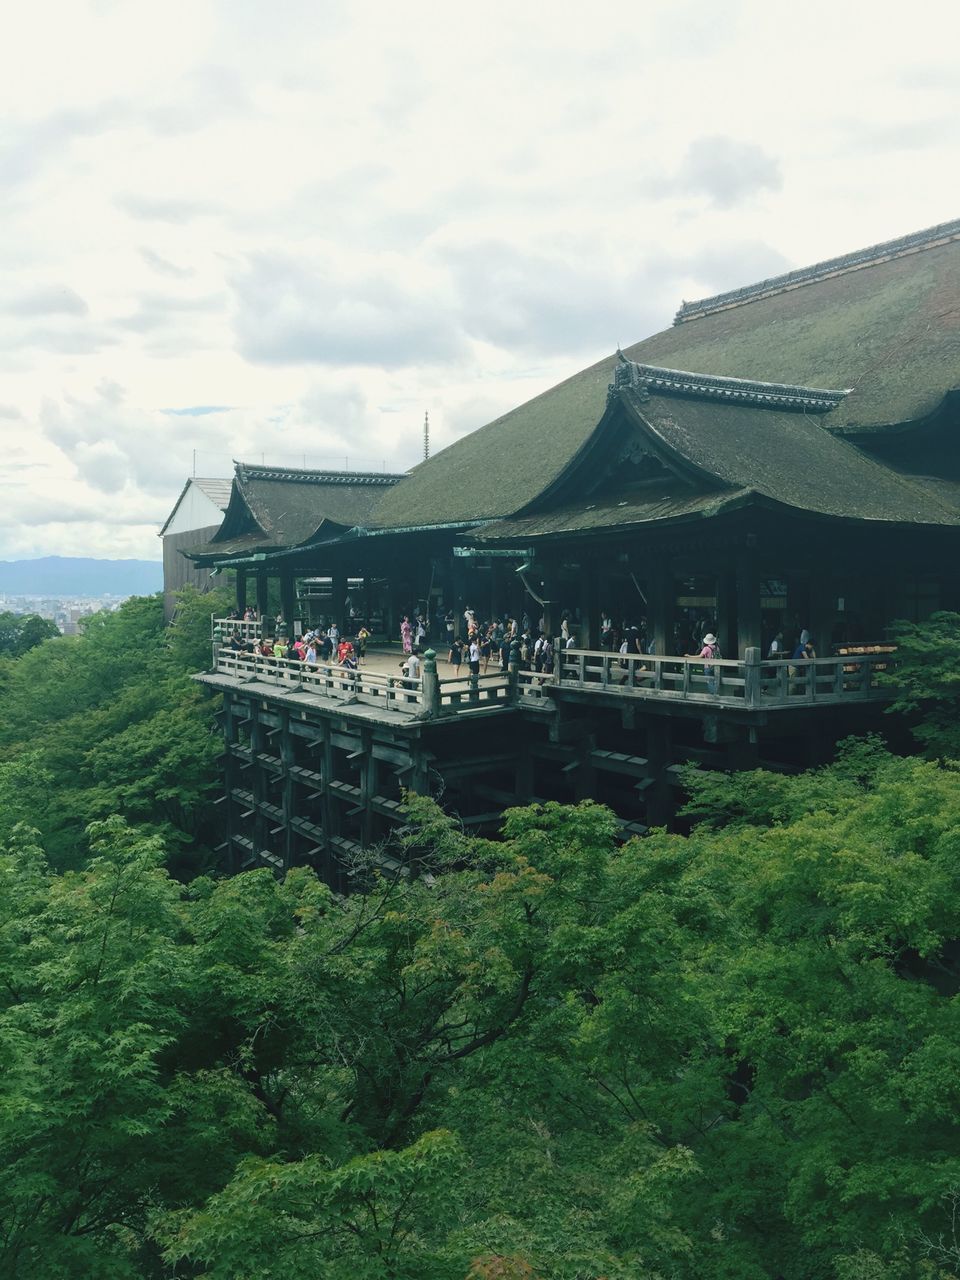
785,459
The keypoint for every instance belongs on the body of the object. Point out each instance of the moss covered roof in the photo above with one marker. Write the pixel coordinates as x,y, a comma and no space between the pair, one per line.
645,506
273,507
789,458
889,330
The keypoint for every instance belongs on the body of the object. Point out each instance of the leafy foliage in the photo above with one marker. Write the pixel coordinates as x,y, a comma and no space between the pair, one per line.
108,722
730,1054
927,681
20,632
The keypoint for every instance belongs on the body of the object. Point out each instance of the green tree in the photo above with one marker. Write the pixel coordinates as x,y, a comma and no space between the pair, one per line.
927,682
115,725
20,632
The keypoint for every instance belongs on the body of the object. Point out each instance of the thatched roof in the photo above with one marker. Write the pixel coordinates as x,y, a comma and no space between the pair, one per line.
274,507
886,326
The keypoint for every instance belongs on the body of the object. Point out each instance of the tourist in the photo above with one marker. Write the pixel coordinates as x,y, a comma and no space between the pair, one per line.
474,656
406,635
455,656
710,650
363,635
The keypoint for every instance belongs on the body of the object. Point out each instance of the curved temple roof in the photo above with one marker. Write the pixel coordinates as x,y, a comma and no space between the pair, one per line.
882,326
751,393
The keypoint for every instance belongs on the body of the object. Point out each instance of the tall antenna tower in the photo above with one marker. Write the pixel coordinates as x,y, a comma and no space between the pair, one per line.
426,436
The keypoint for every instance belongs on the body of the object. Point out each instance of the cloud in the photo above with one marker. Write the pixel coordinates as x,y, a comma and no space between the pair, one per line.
198,410
163,266
542,303
318,309
28,146
727,172
166,310
54,300
167,208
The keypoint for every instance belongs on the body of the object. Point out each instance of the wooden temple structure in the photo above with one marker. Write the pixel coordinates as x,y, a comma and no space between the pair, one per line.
784,458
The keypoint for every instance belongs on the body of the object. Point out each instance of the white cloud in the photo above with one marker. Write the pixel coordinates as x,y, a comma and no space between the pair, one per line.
315,222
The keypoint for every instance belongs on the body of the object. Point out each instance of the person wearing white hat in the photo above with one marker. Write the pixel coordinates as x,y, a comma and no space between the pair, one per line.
710,650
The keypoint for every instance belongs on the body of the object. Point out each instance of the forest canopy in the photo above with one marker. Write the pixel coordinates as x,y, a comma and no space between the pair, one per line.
732,1053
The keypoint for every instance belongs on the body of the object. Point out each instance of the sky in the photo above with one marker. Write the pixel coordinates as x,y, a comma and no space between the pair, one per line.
286,231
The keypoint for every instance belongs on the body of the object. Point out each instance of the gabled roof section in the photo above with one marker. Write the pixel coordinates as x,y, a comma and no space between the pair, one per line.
649,506
764,395
889,330
943,233
786,457
273,507
881,326
217,491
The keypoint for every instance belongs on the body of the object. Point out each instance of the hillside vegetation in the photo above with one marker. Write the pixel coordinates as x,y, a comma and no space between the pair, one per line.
732,1054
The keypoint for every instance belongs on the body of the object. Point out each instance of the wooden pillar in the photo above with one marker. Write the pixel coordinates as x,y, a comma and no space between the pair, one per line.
262,594
368,788
456,601
241,590
660,622
589,636
338,595
230,736
288,791
727,599
258,783
288,601
747,603
658,796
822,611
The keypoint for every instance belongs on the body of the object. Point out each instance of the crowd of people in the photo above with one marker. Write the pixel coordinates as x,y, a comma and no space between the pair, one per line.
312,649
479,644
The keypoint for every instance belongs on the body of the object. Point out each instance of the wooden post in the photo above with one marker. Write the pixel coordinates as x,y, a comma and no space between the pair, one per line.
589,636
430,685
288,601
288,797
339,593
748,601
513,673
262,597
660,623
241,591
751,677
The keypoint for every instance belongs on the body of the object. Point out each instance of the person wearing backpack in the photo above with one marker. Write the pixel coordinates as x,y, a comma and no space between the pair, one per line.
710,650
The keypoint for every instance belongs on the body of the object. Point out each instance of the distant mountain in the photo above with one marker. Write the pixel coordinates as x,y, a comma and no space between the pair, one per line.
75,576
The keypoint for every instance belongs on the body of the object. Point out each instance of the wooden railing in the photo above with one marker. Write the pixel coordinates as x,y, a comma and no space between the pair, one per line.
463,692
221,629
746,682
395,693
729,682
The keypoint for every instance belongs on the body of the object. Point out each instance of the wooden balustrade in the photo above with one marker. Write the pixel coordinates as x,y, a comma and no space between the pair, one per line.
726,682
748,682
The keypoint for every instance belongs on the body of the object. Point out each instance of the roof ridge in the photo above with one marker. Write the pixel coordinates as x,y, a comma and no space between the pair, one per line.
915,242
251,471
629,374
